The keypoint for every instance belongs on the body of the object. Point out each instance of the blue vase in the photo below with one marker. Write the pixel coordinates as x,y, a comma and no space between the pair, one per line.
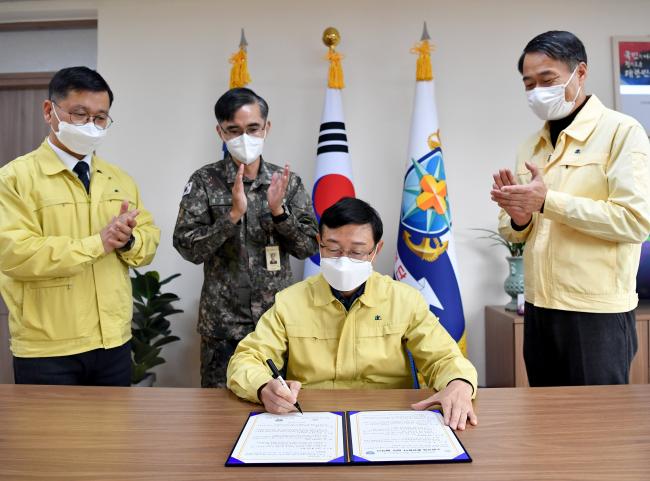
514,284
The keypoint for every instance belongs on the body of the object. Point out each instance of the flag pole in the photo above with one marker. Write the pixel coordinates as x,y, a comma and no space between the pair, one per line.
333,178
239,75
425,257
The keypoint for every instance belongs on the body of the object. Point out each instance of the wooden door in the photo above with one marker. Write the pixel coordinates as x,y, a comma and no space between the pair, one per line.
22,129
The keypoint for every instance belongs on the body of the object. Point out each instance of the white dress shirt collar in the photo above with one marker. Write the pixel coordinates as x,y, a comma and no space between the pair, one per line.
69,160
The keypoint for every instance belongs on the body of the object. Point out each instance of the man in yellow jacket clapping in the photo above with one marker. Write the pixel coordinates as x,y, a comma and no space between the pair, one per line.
71,224
580,200
348,327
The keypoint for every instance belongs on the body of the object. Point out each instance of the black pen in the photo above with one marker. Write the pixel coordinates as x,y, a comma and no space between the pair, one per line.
276,375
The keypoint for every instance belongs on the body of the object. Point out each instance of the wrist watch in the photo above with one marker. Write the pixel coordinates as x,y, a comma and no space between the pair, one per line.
127,247
283,216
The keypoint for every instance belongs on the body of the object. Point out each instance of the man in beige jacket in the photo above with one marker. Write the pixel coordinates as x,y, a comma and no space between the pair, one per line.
580,199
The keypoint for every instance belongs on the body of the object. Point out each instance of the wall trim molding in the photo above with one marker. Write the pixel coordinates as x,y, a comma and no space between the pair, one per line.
25,80
48,25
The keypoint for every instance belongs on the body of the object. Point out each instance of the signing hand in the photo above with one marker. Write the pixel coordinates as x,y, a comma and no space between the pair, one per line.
277,399
239,202
277,190
456,402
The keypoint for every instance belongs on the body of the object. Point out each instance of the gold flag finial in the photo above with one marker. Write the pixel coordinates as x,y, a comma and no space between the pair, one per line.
239,76
423,49
331,38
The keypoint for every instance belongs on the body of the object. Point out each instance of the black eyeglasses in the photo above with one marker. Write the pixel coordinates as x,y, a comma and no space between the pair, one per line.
253,130
334,252
101,121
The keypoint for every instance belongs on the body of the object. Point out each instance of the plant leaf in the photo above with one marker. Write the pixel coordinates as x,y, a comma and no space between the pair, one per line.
166,340
150,326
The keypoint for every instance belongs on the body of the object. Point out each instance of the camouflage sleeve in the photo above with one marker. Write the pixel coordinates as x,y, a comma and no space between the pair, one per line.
298,231
198,233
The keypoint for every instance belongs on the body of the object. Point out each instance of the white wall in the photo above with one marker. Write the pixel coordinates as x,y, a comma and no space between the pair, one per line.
167,63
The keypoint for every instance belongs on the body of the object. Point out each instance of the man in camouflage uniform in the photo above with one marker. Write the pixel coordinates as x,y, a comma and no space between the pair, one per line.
238,217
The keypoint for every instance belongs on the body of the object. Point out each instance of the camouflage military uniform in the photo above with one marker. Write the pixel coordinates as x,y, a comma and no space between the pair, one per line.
237,287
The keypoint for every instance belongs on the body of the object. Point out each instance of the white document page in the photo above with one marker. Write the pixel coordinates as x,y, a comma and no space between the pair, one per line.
402,436
313,437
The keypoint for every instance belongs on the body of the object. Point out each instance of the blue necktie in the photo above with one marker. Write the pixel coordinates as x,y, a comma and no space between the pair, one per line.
81,169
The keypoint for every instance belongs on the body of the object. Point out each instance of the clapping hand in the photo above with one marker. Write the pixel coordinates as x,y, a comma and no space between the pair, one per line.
277,191
118,231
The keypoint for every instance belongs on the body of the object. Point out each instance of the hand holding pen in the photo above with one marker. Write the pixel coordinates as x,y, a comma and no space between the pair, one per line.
278,396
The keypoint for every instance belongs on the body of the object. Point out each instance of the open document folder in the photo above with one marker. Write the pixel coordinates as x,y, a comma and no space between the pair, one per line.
352,437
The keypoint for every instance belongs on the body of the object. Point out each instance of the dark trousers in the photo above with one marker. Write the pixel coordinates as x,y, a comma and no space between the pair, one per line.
215,355
99,367
566,348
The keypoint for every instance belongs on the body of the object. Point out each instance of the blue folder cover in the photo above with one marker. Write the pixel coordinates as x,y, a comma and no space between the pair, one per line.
348,458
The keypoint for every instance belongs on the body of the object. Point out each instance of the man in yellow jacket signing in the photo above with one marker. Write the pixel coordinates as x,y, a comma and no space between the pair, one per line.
580,200
71,224
349,327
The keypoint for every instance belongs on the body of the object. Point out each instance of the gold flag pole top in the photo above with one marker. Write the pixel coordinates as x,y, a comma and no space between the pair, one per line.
239,76
331,38
423,48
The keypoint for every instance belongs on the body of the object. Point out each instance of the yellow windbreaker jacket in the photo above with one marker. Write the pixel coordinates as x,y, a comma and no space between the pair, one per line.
582,253
330,348
64,294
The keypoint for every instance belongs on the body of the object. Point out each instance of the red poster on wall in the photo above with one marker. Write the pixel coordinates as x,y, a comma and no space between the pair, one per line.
634,63
632,77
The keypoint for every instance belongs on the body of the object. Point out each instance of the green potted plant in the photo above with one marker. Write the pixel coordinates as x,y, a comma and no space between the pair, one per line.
514,284
150,327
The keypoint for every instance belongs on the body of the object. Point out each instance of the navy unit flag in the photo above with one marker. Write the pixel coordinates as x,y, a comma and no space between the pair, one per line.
426,257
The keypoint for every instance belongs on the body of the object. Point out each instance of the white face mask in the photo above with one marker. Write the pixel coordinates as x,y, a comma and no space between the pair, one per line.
549,103
246,148
345,274
80,139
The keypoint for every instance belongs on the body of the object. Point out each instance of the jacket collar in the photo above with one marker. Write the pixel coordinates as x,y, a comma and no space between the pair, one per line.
51,164
586,120
69,160
322,294
582,126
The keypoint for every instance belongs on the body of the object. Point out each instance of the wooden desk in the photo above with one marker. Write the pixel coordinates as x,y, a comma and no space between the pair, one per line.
504,348
138,434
